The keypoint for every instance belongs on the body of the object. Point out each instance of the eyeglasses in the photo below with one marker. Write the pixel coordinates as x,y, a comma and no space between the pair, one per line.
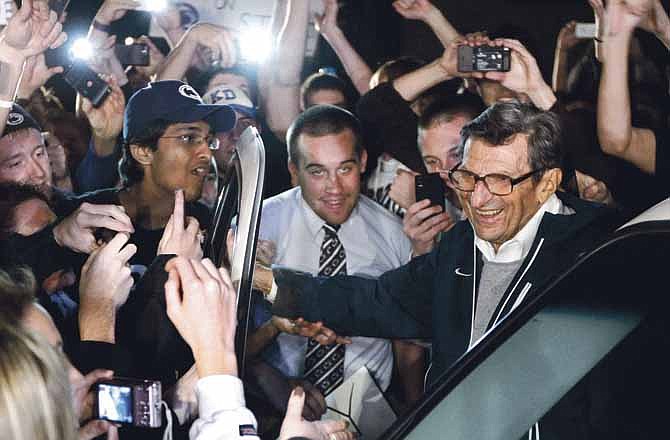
496,184
191,140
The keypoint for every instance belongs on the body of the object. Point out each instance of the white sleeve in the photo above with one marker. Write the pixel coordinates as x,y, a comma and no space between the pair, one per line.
222,410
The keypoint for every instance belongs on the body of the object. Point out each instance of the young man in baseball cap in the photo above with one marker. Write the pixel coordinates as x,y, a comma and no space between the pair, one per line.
168,138
23,154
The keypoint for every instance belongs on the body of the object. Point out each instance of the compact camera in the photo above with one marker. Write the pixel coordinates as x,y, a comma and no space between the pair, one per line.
133,402
484,59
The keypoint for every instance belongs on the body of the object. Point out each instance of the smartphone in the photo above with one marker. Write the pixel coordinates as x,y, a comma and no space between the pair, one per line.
59,6
585,30
484,59
430,186
87,83
133,402
136,54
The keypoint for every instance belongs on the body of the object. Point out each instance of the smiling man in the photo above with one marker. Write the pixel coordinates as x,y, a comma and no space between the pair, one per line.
168,143
519,234
23,153
325,226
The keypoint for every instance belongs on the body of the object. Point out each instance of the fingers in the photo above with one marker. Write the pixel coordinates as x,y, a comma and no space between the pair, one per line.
295,404
112,217
334,426
93,429
178,212
172,292
316,399
116,243
93,377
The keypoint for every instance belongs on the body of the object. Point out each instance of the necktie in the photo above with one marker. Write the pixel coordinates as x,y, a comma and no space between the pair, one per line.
324,364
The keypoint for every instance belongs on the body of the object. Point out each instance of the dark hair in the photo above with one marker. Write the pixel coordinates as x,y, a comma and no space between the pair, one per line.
396,68
502,121
320,81
322,120
12,194
447,109
130,170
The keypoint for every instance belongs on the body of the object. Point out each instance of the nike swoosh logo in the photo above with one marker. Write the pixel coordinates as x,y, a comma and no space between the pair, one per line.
458,272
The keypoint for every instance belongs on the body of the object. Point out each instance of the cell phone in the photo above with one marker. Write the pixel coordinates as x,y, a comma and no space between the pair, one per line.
484,59
585,30
87,83
136,54
430,186
59,6
135,402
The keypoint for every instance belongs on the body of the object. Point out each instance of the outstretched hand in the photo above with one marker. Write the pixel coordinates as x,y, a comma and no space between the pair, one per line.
295,425
33,29
414,9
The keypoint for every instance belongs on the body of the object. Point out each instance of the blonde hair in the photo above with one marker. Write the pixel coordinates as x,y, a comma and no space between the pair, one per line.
35,398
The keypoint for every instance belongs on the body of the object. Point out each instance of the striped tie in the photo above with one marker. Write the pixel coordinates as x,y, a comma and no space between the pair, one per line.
324,364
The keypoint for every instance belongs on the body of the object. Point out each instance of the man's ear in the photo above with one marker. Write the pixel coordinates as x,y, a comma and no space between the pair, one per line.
142,154
364,160
293,171
551,180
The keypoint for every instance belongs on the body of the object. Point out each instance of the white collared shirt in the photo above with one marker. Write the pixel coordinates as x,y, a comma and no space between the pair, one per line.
518,247
374,243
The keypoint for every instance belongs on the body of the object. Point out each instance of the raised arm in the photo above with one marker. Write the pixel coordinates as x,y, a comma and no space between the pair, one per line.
425,11
357,69
282,94
215,38
30,31
566,40
616,134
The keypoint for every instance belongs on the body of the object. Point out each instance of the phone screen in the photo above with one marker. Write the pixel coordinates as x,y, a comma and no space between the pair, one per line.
115,403
430,186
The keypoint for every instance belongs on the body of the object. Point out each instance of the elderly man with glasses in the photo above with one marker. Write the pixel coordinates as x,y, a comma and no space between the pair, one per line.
519,234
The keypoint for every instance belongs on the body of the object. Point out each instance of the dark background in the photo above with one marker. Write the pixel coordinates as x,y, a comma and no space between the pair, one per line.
379,34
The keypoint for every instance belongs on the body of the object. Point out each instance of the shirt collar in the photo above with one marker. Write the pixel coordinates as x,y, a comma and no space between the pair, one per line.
314,222
518,247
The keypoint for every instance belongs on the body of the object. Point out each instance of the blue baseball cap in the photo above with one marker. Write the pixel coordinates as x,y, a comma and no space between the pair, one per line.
173,101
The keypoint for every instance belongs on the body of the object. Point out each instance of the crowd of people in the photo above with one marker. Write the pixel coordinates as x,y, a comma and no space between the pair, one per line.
104,209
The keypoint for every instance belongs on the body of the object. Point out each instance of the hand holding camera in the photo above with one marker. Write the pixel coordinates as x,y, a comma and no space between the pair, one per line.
202,305
107,119
216,43
77,230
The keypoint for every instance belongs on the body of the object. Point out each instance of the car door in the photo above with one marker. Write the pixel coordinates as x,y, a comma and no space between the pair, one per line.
239,207
600,330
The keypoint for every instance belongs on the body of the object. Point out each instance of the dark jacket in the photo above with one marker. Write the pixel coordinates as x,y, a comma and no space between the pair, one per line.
433,295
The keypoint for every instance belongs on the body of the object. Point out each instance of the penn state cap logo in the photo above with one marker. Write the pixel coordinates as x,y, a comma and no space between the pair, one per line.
189,92
15,119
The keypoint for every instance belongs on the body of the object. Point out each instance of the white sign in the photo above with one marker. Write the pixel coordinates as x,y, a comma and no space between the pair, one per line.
239,16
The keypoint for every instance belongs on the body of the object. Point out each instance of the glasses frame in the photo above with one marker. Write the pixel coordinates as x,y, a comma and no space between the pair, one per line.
514,181
213,142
